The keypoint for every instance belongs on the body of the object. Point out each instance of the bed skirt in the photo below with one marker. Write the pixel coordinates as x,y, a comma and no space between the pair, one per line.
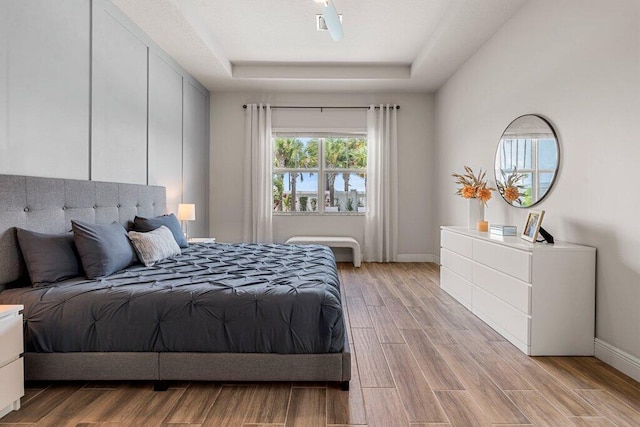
114,366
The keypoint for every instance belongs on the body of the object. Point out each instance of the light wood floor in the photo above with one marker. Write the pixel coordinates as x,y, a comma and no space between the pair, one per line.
420,359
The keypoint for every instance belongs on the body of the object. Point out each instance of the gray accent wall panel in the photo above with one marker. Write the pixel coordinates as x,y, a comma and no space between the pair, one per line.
44,87
196,157
4,83
86,94
119,100
165,129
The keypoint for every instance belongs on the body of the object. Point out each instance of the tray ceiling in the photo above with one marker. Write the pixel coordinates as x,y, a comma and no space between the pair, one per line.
400,45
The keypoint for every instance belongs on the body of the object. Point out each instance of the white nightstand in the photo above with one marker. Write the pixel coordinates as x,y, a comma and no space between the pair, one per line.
201,240
11,363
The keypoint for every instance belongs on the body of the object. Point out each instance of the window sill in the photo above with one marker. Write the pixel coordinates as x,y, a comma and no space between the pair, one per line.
326,214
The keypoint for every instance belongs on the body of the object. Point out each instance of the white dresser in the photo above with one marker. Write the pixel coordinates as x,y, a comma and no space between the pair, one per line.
11,364
540,297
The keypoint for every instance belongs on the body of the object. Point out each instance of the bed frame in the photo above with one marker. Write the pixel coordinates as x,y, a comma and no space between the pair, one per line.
48,205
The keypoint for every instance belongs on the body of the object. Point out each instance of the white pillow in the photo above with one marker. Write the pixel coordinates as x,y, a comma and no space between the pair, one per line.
155,245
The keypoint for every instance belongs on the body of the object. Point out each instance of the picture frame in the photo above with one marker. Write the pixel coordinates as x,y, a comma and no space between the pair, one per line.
532,225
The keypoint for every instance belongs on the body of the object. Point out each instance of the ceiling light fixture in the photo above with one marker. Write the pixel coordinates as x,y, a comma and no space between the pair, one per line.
321,25
332,20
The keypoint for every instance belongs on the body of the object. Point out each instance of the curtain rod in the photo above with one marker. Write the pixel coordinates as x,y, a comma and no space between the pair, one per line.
273,107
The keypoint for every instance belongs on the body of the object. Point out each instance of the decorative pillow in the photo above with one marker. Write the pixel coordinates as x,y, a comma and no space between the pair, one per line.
50,258
170,221
155,245
103,249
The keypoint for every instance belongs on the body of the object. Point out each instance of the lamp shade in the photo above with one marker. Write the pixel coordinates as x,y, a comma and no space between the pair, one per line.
187,212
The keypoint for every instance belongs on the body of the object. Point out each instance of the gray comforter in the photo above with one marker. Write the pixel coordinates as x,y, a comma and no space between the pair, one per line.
213,298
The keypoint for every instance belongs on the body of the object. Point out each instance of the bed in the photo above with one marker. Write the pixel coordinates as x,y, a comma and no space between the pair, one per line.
218,312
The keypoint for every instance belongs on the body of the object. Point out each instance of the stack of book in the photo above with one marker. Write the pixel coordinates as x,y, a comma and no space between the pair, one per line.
503,230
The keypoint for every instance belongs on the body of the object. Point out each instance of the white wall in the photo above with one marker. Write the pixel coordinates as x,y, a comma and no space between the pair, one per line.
576,62
415,152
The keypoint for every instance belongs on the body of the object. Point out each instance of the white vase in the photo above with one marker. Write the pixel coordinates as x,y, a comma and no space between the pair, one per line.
476,213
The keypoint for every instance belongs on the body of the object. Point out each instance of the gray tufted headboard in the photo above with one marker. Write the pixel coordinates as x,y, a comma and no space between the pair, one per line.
48,205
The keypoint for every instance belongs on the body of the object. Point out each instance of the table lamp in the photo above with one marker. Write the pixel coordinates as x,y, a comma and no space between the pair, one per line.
186,212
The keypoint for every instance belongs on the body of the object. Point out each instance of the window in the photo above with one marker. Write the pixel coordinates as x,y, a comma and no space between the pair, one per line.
535,158
319,173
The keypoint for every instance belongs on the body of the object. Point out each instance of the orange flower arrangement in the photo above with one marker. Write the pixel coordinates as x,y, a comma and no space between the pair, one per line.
473,187
468,192
511,193
509,187
484,194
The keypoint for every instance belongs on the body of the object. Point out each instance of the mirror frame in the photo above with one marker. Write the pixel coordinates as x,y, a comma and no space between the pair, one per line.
557,172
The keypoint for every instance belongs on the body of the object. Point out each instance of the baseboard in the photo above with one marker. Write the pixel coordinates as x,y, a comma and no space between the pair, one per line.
10,407
417,258
619,359
347,257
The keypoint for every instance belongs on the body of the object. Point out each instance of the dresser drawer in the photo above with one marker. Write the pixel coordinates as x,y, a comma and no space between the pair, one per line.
458,264
10,337
513,262
12,381
507,317
456,243
507,288
456,286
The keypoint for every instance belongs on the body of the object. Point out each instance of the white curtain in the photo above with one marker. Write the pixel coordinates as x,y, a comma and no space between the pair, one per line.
258,166
381,226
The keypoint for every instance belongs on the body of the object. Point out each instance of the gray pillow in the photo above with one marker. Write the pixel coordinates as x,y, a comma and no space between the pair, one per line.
103,249
170,221
155,245
50,258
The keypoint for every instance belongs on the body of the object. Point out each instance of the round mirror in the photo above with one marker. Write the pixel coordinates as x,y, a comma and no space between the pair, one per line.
527,161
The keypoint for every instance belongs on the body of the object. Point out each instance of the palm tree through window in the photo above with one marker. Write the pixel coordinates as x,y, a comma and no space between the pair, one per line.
318,174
